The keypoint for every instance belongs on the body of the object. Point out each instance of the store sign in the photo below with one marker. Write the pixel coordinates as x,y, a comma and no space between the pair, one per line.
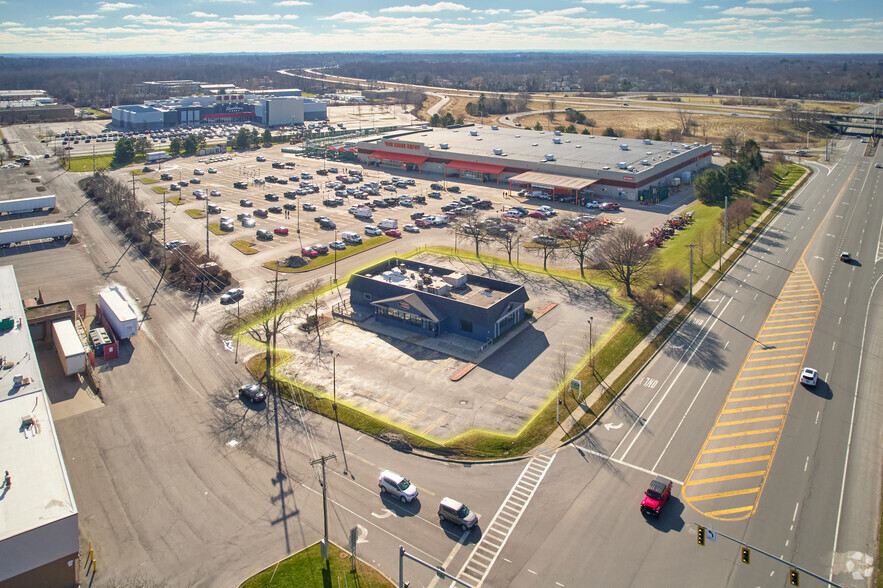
234,109
401,145
404,305
630,178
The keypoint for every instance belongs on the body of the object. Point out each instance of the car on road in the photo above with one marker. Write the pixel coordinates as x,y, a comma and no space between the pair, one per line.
309,207
457,513
397,486
231,296
246,203
809,376
253,393
880,165
309,252
655,497
372,231
845,257
281,231
337,245
411,228
392,233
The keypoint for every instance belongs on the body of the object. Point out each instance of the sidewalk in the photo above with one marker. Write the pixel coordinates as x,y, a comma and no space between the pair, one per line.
554,440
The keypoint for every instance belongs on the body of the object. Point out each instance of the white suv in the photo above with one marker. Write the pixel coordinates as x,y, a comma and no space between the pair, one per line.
396,485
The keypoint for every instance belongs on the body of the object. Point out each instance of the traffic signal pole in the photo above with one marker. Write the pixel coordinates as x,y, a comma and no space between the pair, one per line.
711,534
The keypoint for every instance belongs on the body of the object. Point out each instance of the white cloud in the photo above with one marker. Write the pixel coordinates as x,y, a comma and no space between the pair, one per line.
152,19
388,22
292,3
493,11
437,7
73,17
9,23
634,1
199,14
289,16
255,17
711,7
745,11
771,1
634,6
105,6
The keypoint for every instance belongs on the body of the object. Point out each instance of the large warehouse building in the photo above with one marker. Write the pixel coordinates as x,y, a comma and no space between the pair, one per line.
270,108
39,527
546,163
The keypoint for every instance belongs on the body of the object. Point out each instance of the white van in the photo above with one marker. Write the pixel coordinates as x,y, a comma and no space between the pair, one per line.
363,213
388,223
351,237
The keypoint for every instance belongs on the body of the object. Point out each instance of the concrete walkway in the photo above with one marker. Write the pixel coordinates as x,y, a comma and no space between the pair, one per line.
554,440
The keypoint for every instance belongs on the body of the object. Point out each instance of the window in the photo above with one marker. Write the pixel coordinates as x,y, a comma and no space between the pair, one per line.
465,326
367,296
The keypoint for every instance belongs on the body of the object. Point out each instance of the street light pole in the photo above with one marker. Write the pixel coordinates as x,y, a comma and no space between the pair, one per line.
335,257
807,138
691,270
591,353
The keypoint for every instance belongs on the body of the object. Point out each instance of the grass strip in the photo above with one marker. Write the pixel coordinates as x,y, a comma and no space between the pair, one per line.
328,258
160,189
195,212
246,247
308,569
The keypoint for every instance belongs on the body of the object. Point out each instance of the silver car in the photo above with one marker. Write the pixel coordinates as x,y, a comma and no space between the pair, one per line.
457,513
396,485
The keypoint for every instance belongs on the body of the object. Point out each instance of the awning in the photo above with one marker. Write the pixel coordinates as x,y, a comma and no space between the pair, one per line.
537,179
486,168
346,148
403,157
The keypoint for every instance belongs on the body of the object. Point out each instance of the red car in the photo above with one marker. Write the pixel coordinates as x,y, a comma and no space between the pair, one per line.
537,214
609,206
393,233
309,252
655,497
423,223
281,230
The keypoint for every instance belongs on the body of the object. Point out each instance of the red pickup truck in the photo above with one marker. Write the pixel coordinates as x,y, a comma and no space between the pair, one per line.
655,497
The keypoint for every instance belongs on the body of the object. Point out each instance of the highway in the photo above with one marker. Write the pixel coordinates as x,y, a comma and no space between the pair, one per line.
764,458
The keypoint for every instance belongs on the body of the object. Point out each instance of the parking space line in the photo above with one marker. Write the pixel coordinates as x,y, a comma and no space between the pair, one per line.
725,478
739,492
505,404
434,425
738,447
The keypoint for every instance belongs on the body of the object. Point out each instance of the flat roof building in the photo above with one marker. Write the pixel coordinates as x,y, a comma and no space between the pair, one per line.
39,526
551,163
434,300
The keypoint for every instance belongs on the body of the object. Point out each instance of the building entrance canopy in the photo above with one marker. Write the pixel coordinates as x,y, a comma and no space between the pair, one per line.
552,181
486,168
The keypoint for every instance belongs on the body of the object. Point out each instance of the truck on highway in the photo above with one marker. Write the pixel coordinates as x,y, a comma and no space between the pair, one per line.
119,312
35,204
157,156
55,231
70,349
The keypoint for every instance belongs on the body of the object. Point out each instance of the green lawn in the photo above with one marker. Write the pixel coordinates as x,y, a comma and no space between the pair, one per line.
246,247
84,164
328,258
195,212
160,189
308,569
148,181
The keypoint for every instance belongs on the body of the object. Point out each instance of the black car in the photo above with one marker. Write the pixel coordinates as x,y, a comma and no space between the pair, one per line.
289,206
275,209
322,172
454,189
327,224
416,215
271,197
290,194
436,186
252,393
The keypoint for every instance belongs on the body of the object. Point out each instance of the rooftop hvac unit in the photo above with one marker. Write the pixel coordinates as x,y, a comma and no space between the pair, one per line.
443,146
622,165
498,151
550,157
495,128
557,133
624,147
473,133
645,162
556,140
578,146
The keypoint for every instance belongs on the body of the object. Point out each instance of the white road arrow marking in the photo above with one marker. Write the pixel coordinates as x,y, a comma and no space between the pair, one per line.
817,257
363,532
608,426
385,514
715,300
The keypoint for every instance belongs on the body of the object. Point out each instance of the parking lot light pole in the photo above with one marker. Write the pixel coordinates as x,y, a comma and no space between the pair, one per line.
591,354
335,257
334,357
691,269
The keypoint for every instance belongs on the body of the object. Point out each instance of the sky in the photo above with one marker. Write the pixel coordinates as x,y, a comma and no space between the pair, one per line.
282,26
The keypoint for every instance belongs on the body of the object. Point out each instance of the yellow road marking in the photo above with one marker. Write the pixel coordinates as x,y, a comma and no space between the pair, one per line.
746,421
716,513
744,433
787,327
791,319
778,349
384,397
788,333
767,367
726,494
767,342
717,464
725,478
737,447
761,397
750,408
790,305
513,407
766,376
760,386
435,424
779,357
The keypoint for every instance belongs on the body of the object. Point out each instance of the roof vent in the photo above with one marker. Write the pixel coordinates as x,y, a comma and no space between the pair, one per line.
550,157
498,151
443,146
473,133
556,140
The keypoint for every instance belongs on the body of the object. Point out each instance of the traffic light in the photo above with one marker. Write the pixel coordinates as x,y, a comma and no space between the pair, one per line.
746,555
700,538
795,577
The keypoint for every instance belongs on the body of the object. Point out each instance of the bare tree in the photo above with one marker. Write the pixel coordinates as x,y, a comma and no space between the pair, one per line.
685,119
740,211
545,243
509,240
309,310
624,257
471,227
577,239
267,314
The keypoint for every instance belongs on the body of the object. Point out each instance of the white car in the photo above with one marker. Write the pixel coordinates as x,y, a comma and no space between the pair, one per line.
372,231
396,485
809,376
198,172
593,204
212,170
337,245
215,193
411,228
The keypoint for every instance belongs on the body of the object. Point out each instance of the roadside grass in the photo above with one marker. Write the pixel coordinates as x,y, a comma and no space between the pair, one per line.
195,213
84,164
98,113
216,229
246,247
160,189
308,569
631,328
175,200
148,181
328,259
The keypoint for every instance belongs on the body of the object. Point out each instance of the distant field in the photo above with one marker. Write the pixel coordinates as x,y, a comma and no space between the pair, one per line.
82,164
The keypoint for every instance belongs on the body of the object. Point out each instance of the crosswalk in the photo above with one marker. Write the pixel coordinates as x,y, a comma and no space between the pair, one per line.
497,533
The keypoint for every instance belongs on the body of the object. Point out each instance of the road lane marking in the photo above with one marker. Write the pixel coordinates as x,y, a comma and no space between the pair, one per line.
738,447
768,342
739,492
775,365
744,433
767,376
759,397
778,357
717,513
749,421
718,464
726,478
755,387
778,349
750,408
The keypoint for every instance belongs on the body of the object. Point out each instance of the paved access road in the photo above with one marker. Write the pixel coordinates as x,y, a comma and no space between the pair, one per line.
763,458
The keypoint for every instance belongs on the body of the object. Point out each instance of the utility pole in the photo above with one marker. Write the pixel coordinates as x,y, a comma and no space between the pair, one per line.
164,251
591,355
272,355
691,270
322,460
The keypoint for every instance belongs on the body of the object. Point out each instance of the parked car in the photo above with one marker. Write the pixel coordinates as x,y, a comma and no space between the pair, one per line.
397,486
212,170
320,248
215,193
372,231
246,203
275,209
261,213
308,207
457,513
538,214
655,497
593,204
271,197
423,222
231,296
281,231
411,228
393,233
337,245
264,235
309,252
195,180
351,237
253,393
610,206
809,376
